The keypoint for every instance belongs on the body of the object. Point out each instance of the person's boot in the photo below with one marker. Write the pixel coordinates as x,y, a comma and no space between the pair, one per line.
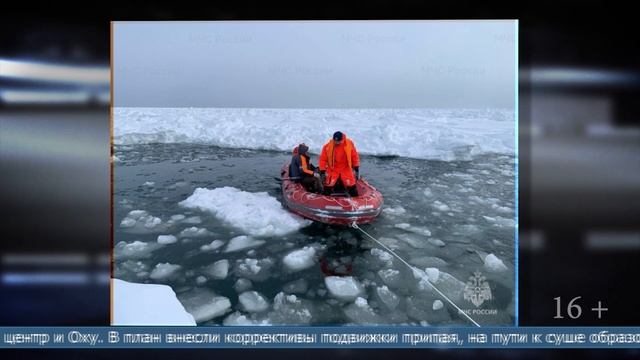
353,191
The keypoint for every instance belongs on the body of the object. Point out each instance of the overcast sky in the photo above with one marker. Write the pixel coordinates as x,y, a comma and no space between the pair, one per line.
328,64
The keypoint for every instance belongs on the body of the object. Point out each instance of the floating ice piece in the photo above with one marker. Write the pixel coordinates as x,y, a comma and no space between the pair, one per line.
167,239
214,245
394,211
387,297
440,206
238,319
137,268
433,274
391,277
421,308
242,242
500,221
493,263
252,301
300,259
502,209
242,285
134,250
257,214
254,269
177,217
414,229
288,309
436,242
195,232
437,305
147,305
164,271
141,222
149,184
382,255
450,286
413,240
427,261
195,220
218,270
203,304
201,280
361,313
343,288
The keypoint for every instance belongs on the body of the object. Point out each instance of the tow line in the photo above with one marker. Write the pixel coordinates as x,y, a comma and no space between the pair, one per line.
413,270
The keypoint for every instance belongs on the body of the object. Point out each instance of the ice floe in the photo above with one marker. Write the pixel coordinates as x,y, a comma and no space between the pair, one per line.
257,214
493,263
141,222
164,271
167,239
204,304
343,288
300,259
218,270
242,242
252,301
135,249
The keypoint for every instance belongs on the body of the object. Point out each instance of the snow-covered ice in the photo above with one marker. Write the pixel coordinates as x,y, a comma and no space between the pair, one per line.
257,214
147,305
300,259
439,134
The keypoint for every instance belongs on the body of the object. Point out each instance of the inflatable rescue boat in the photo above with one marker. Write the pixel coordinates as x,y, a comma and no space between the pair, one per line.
337,209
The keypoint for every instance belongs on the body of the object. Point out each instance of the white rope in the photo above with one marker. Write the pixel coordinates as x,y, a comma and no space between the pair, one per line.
355,226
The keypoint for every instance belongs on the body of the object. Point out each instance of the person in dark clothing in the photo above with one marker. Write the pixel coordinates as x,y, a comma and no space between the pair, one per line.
301,170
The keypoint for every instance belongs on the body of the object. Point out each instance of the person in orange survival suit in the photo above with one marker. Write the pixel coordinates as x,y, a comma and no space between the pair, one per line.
339,164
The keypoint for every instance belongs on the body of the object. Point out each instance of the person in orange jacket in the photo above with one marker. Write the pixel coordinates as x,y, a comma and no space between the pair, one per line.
340,164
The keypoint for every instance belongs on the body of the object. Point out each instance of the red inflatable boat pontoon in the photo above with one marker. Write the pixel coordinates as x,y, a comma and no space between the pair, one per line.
334,210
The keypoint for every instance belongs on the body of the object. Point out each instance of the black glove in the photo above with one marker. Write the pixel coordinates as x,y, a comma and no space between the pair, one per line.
357,170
